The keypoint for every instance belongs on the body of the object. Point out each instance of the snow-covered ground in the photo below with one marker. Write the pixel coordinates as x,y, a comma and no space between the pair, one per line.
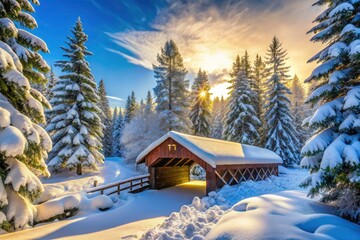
114,169
174,213
197,219
130,216
284,215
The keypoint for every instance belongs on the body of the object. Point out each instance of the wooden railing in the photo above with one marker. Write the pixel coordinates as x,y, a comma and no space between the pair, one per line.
133,184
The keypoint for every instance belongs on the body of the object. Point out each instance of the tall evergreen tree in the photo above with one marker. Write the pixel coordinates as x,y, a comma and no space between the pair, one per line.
114,116
48,92
236,68
241,121
281,136
171,91
218,115
119,125
75,128
258,77
106,120
130,108
332,153
246,66
23,142
51,80
149,103
297,99
143,129
200,113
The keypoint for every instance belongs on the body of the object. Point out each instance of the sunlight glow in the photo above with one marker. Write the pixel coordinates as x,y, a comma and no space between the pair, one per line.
214,61
202,94
220,90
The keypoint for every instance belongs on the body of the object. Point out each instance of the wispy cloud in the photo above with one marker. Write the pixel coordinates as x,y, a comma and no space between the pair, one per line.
115,98
210,35
96,4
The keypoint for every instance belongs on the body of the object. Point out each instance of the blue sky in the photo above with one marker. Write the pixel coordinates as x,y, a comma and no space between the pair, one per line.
56,17
125,36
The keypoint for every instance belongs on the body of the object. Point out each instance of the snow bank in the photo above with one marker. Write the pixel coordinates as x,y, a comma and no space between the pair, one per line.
285,215
196,220
56,207
113,170
63,205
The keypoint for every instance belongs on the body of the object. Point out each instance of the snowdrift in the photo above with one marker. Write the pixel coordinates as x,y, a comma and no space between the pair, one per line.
284,215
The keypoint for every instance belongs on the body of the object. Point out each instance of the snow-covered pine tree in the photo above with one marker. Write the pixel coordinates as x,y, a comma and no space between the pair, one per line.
200,113
332,153
106,119
218,115
51,80
149,103
297,99
23,143
118,130
142,130
171,91
241,121
258,77
130,108
114,117
280,133
246,66
75,128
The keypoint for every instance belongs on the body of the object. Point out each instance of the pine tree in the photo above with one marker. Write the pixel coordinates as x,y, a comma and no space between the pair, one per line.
297,99
258,78
332,153
172,95
119,125
51,80
48,92
218,115
23,142
236,68
143,129
149,105
200,113
106,120
114,117
281,136
130,108
246,66
241,121
75,128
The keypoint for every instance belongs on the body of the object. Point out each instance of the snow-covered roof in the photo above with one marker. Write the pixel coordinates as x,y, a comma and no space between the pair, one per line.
217,152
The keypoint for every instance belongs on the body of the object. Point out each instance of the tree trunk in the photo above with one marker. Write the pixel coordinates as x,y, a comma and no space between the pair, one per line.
78,169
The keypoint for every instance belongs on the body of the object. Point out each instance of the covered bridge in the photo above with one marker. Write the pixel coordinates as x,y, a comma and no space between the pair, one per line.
170,157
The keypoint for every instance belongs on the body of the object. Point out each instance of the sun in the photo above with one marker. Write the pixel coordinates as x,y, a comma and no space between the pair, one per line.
202,94
220,90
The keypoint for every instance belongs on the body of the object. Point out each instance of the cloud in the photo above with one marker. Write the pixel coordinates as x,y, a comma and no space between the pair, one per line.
96,4
210,34
115,98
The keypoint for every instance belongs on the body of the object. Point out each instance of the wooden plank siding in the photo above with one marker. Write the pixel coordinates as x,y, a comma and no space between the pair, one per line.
169,164
163,177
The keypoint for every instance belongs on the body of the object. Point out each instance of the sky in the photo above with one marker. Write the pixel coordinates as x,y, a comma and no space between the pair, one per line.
126,35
